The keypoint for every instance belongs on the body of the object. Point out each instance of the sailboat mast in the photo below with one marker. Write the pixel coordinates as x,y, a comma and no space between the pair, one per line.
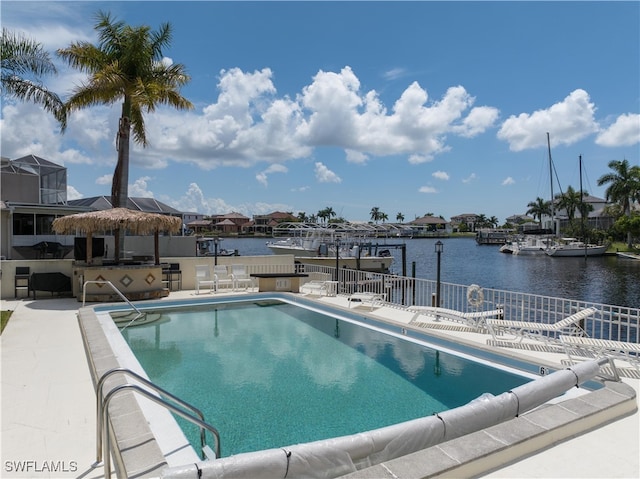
582,209
553,213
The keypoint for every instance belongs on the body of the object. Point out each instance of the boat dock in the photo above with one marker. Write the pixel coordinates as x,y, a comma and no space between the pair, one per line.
635,256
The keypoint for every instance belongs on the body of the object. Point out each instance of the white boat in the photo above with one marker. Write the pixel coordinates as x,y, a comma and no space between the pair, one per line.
571,247
211,247
533,245
316,244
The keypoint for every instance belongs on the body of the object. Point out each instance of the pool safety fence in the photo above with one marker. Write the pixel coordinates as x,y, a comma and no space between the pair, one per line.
613,322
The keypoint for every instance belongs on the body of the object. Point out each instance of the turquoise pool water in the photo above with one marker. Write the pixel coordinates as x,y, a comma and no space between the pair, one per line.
271,374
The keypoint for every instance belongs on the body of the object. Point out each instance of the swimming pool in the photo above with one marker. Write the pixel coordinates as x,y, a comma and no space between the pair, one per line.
268,374
148,439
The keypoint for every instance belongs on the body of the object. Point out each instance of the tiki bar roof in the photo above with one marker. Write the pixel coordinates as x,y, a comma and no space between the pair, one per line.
136,222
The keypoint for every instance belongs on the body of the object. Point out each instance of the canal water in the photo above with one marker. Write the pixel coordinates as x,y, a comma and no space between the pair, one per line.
607,279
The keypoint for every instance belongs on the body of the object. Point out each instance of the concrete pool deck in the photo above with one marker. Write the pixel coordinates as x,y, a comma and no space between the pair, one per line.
48,402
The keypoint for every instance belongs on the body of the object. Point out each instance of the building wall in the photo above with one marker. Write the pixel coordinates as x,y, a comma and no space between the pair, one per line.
20,188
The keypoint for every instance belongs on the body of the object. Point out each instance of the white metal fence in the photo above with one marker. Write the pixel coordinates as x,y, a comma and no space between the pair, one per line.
610,322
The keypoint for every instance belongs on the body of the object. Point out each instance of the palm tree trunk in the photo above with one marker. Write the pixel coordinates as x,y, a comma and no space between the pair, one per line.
120,184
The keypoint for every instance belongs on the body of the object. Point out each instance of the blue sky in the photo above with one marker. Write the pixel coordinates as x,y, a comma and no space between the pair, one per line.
411,107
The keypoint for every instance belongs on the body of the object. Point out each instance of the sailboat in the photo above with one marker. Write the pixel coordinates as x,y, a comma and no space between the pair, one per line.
572,247
538,242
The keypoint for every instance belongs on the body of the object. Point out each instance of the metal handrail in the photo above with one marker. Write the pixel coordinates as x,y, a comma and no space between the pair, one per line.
100,406
122,296
106,442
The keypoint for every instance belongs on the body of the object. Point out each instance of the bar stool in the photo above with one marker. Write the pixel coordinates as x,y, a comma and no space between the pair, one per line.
22,280
175,274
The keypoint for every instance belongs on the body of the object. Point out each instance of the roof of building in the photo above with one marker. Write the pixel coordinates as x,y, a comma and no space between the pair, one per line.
428,220
149,205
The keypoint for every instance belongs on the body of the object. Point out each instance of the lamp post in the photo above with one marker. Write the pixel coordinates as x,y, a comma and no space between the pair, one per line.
439,246
215,251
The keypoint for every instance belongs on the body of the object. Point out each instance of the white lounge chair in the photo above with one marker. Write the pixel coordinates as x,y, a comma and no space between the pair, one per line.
318,288
241,277
602,347
540,331
367,297
203,277
473,320
222,277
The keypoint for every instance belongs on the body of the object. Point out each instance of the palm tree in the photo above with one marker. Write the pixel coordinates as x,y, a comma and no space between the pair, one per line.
21,58
126,66
538,209
570,201
375,214
399,217
624,187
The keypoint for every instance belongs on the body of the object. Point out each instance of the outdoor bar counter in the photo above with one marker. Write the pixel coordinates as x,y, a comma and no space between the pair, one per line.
136,280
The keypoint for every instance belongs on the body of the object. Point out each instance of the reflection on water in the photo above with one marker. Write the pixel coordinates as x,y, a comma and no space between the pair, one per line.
608,280
271,376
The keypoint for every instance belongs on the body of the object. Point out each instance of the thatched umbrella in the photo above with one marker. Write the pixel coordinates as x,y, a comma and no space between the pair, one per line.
137,222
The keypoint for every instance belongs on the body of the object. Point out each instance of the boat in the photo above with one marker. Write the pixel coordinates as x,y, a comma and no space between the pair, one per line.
211,247
492,236
346,245
571,247
533,245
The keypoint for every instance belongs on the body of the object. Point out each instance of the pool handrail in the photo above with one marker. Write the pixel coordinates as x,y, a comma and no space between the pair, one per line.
117,291
102,441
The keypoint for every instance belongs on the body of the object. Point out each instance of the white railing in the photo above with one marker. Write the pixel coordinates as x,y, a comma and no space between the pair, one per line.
610,322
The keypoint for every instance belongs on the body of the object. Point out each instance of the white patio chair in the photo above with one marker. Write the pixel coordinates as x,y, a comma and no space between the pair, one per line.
222,277
203,277
241,277
544,332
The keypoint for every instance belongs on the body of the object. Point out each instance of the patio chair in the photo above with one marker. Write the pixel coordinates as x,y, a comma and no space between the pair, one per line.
203,278
545,332
222,277
471,320
588,347
240,276
367,297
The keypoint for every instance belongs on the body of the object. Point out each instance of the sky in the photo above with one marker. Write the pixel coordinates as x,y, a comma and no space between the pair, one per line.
411,107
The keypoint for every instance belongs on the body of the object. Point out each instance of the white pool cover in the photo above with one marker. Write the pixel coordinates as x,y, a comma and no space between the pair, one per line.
342,455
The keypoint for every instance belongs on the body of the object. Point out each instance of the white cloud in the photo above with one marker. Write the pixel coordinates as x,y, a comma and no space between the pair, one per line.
625,131
568,121
325,175
140,188
275,168
418,159
394,73
469,178
104,180
440,175
356,157
73,194
427,189
508,181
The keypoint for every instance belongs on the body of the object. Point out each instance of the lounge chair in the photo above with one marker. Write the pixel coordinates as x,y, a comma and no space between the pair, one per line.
601,347
318,288
540,331
222,277
367,297
473,320
240,277
203,277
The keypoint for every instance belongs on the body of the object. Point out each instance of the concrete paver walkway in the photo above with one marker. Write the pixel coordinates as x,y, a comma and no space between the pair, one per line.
48,402
48,407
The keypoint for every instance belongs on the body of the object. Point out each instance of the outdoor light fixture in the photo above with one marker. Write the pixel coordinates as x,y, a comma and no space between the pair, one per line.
439,248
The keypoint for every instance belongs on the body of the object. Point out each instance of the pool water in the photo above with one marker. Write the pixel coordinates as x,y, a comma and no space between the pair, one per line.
273,374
